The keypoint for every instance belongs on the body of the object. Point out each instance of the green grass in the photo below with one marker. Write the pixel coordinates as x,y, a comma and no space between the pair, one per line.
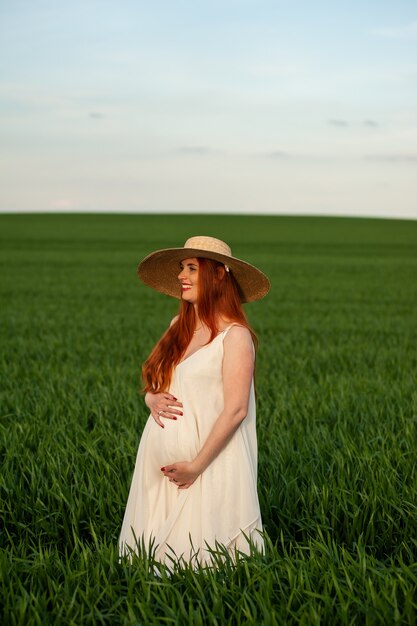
337,421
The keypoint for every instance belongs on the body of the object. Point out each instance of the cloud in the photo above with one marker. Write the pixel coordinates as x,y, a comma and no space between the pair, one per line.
345,123
196,150
406,31
392,158
95,115
338,123
277,154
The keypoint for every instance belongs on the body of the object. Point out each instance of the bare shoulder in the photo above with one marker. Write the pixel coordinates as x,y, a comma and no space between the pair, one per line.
238,338
174,319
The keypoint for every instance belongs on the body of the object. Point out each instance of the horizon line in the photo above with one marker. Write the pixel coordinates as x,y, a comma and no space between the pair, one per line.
211,212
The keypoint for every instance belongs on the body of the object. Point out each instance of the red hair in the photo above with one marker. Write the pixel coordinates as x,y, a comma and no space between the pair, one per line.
218,297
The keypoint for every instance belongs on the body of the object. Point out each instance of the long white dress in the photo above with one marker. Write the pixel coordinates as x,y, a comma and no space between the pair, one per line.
222,504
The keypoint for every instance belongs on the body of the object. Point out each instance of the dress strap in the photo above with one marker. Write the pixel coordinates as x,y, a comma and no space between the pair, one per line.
226,330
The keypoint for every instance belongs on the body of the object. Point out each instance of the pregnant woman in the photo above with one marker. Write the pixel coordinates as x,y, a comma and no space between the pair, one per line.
194,483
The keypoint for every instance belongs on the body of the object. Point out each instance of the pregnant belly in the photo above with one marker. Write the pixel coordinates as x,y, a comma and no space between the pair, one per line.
178,441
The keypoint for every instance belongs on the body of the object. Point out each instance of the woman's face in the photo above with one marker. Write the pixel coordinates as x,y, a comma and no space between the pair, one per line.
188,278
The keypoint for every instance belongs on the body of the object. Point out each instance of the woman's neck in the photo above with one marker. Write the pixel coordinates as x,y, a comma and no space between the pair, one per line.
198,322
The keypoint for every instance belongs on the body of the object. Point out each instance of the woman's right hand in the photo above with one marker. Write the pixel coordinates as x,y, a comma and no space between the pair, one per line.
161,405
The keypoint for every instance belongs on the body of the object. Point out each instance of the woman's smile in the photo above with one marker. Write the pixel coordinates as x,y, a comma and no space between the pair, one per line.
188,278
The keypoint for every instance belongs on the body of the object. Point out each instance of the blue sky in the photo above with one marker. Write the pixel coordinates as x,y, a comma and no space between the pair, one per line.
233,105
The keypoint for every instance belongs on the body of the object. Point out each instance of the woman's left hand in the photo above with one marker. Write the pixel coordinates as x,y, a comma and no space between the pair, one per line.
182,474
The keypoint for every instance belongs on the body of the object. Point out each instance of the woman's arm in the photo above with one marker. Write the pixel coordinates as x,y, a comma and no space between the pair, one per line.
238,364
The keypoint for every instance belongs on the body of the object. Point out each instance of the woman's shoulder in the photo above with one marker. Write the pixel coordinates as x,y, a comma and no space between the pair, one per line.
236,333
238,344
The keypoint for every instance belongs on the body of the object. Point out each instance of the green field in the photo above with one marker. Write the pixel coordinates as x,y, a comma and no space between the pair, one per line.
337,421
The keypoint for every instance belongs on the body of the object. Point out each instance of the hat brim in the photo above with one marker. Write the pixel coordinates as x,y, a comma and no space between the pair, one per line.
160,270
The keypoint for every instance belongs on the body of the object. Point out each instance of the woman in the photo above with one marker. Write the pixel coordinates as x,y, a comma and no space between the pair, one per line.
194,483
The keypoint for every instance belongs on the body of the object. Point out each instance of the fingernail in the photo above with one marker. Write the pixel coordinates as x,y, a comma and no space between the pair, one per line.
162,469
175,398
181,413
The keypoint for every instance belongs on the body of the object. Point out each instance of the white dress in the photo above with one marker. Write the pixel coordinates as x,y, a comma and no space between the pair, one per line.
222,504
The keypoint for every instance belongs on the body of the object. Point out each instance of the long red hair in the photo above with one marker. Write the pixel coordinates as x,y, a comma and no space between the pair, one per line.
218,298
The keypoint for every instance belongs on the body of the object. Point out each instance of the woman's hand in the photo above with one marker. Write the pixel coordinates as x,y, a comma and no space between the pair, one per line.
182,474
161,405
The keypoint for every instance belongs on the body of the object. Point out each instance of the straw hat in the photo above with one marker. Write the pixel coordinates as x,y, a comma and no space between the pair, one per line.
160,269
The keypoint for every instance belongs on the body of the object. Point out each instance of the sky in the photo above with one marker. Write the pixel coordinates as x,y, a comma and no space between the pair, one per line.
239,106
